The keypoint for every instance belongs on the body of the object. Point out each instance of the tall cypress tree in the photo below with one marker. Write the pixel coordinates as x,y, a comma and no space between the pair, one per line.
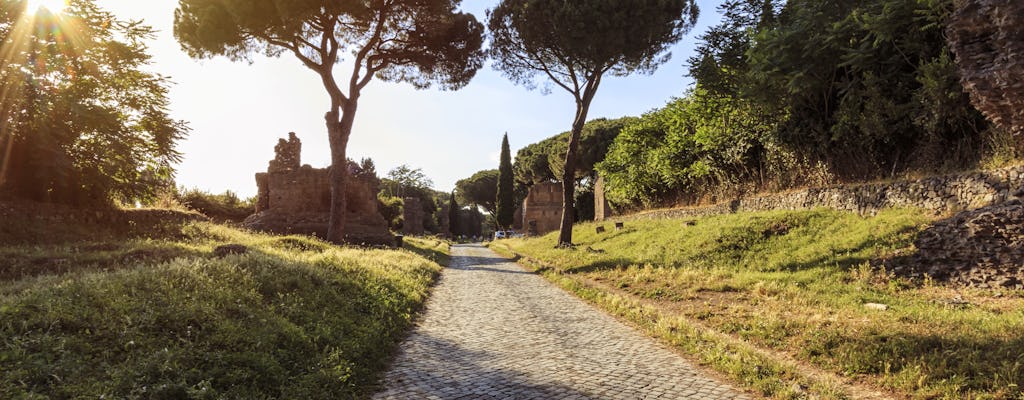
453,216
506,207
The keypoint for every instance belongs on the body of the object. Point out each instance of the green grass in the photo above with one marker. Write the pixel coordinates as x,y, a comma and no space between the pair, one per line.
767,297
160,317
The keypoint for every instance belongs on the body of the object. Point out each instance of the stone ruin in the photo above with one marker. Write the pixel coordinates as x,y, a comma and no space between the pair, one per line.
602,210
296,199
987,37
981,248
542,208
412,216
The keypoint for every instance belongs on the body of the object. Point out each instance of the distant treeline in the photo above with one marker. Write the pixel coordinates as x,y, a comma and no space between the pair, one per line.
804,93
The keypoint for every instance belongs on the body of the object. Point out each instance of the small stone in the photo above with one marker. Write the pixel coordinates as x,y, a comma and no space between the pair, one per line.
876,306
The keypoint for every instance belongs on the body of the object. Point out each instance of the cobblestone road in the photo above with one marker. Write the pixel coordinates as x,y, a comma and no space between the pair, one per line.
494,331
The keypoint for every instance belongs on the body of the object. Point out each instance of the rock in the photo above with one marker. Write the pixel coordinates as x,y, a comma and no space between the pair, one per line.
229,249
876,306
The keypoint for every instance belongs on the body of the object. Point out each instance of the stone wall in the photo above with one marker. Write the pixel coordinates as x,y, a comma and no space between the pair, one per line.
987,37
980,248
295,199
542,209
940,194
412,216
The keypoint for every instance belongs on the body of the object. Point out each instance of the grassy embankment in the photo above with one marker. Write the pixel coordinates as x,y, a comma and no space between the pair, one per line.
777,300
130,316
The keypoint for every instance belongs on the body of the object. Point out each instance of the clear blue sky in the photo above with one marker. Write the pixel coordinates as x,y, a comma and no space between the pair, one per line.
237,111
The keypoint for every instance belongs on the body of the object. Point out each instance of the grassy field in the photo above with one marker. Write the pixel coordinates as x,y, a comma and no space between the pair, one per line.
788,303
162,317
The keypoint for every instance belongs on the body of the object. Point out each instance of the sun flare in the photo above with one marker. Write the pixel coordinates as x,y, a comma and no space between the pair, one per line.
53,6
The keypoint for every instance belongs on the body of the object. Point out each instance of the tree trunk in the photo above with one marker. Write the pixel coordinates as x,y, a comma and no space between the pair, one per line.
339,130
569,173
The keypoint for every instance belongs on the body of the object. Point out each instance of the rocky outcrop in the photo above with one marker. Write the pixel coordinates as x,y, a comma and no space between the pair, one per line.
981,248
295,199
987,37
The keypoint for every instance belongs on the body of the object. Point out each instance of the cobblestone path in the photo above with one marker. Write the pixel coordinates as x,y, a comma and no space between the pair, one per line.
491,330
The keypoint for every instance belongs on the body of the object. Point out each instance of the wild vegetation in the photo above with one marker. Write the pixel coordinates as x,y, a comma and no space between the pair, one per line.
156,313
573,46
792,301
416,42
83,120
798,93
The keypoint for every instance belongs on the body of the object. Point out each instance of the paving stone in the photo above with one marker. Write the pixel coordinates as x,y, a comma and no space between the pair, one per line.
494,330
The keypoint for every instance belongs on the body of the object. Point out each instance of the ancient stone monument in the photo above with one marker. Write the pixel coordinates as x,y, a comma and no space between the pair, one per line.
412,216
602,210
542,209
988,39
294,199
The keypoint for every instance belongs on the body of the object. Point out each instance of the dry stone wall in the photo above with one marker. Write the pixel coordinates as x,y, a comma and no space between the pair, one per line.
982,247
940,195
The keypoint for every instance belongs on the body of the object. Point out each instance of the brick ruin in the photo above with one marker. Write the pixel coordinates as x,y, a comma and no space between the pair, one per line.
542,208
412,216
988,39
296,199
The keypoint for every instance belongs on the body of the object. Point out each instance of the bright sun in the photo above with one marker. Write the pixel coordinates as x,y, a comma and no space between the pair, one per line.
54,6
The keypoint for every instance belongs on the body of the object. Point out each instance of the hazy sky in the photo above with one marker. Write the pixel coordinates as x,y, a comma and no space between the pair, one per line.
237,111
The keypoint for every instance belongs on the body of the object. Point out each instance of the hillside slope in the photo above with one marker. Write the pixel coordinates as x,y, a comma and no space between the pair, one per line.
791,301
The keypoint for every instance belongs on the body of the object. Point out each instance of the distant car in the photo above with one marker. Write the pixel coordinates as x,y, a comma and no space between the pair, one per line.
507,234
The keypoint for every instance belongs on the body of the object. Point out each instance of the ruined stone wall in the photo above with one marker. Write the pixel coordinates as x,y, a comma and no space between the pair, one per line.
306,189
412,216
602,210
987,37
297,199
542,209
940,194
982,248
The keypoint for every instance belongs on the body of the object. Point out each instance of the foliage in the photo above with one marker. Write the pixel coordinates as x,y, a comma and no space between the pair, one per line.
806,94
454,227
225,207
414,41
481,189
405,182
84,122
161,317
573,44
505,208
404,177
739,289
692,145
539,162
867,85
390,208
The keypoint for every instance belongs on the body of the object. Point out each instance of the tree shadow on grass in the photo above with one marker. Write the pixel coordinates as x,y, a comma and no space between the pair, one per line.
957,363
